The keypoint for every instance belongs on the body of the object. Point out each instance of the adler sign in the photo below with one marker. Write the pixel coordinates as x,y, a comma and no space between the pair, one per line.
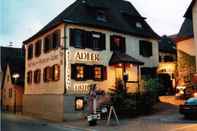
87,56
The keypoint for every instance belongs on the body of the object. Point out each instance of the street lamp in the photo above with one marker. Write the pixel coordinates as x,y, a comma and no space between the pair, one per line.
15,76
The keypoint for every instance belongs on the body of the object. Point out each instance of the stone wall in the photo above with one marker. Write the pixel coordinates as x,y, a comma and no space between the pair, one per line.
48,107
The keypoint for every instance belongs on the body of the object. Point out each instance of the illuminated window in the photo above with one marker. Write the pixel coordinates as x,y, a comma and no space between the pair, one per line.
79,103
98,73
56,72
80,72
29,77
47,75
37,75
117,43
38,48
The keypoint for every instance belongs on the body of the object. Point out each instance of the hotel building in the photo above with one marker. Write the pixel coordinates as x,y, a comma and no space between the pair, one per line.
90,42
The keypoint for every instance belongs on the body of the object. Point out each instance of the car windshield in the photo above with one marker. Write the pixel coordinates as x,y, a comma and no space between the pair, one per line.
191,101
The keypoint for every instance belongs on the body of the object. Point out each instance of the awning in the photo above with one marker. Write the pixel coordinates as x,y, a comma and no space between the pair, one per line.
118,58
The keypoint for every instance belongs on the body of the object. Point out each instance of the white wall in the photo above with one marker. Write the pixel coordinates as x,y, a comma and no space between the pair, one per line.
132,49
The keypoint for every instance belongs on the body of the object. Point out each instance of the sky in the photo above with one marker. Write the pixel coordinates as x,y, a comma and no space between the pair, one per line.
20,19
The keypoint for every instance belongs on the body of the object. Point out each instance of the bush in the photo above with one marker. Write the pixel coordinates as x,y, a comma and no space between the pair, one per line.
130,105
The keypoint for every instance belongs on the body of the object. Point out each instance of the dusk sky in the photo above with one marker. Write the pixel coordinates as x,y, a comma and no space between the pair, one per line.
20,19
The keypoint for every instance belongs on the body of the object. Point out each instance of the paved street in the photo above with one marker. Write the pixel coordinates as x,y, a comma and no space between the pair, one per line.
11,122
165,118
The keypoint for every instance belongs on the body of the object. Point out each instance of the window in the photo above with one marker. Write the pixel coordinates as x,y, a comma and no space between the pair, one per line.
29,77
56,72
47,75
80,72
117,43
145,48
101,16
47,43
79,103
85,39
37,75
77,38
38,48
10,92
88,72
30,52
8,78
98,41
56,39
97,72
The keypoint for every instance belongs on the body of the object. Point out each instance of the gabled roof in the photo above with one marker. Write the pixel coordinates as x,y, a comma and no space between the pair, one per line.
121,16
17,66
8,53
186,30
188,13
14,58
166,44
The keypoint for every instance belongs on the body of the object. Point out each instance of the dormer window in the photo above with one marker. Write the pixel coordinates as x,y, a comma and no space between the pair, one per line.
101,16
138,25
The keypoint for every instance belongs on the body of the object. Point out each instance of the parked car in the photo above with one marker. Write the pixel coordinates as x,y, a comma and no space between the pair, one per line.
189,108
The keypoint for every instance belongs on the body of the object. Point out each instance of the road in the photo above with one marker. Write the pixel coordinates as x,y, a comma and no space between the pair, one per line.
166,118
11,122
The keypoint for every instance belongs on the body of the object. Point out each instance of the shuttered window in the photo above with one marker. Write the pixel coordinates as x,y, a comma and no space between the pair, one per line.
29,77
47,43
38,46
37,76
56,72
56,39
98,41
82,72
30,52
145,48
117,43
76,38
47,75
86,39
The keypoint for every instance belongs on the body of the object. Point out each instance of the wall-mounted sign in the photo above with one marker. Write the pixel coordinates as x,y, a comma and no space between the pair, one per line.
87,56
82,88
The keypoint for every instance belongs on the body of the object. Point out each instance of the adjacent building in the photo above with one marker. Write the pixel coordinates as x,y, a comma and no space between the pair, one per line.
167,65
90,42
12,64
186,46
191,14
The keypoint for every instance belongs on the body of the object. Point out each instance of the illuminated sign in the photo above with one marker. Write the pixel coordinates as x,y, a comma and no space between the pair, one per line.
82,88
87,56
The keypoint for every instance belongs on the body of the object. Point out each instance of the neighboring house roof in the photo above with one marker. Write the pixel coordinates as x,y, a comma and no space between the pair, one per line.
17,66
120,15
166,44
7,53
188,13
118,58
14,58
186,30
